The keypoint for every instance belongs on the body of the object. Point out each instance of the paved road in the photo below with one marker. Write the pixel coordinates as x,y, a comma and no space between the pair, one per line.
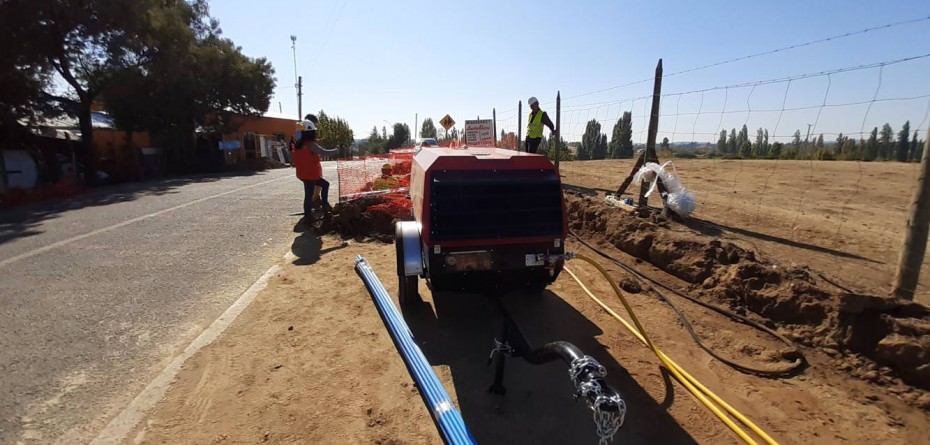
97,294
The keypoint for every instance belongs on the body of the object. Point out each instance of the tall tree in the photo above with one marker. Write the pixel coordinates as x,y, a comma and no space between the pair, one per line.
871,151
601,151
885,149
174,75
590,140
722,142
336,134
665,145
916,148
84,44
428,129
904,145
732,144
621,142
758,148
399,138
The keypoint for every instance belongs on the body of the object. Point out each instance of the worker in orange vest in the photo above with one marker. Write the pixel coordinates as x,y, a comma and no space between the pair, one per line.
306,159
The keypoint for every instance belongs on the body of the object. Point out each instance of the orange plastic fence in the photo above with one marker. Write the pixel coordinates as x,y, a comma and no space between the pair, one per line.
375,175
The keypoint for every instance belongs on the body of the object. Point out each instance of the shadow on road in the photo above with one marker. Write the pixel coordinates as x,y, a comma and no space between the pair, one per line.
308,247
538,407
26,220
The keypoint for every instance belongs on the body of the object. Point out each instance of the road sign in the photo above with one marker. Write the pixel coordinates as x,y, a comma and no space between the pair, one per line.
479,132
447,122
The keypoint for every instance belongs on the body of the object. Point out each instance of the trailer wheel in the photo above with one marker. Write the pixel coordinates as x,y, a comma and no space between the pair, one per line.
407,292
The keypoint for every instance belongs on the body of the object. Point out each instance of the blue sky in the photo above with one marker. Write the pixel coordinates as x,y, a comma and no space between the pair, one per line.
374,63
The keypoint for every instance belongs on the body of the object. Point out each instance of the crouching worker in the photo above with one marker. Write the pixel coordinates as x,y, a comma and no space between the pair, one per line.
306,158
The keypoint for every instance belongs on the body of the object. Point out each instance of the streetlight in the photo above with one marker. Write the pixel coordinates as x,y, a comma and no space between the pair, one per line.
298,81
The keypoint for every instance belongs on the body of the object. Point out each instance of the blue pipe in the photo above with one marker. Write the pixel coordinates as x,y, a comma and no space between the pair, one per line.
447,418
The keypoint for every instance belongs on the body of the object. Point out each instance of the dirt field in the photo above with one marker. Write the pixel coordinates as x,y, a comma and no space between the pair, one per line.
842,218
310,361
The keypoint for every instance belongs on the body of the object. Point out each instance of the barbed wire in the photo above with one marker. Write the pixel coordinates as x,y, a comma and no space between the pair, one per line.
760,54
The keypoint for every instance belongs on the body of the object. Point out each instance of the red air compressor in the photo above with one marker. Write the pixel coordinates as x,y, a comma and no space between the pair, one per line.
486,219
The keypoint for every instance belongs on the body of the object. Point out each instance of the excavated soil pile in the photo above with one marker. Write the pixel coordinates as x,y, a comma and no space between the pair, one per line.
875,337
367,218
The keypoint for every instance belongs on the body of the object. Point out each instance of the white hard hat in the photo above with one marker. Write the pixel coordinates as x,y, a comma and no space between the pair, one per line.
532,101
308,125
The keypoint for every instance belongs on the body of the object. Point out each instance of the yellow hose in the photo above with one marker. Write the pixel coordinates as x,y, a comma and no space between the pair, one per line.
701,392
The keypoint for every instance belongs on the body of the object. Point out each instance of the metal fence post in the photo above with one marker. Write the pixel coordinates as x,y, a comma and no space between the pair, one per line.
558,122
494,119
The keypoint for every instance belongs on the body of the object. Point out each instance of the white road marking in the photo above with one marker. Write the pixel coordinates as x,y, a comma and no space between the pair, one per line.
58,244
119,428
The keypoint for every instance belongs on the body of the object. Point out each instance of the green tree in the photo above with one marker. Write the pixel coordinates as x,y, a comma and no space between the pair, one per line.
590,140
776,151
336,134
850,149
731,142
885,148
601,151
375,142
24,74
916,148
722,142
399,138
758,149
549,146
871,151
904,145
428,129
621,142
742,139
664,145
197,79
84,44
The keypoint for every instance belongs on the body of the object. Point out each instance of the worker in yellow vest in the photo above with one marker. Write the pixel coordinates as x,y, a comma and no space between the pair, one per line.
534,126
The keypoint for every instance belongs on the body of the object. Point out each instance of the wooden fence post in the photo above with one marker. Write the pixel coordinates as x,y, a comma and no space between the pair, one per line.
915,240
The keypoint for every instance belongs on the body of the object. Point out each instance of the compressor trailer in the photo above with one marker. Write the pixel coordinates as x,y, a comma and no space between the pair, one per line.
485,219
488,221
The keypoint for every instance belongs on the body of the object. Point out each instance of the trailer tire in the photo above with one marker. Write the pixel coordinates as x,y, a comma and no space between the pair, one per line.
407,292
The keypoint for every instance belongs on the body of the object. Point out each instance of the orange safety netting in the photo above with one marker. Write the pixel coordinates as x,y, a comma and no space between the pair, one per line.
374,174
395,205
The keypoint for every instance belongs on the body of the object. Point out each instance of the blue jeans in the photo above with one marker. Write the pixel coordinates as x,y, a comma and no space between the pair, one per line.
308,193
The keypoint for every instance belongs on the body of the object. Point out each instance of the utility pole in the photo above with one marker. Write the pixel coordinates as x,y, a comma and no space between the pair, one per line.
298,80
915,240
520,125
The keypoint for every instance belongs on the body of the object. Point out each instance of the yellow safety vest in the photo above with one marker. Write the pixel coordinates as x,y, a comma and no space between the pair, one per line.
534,128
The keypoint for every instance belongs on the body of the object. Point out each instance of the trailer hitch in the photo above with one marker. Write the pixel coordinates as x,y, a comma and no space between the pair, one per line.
585,372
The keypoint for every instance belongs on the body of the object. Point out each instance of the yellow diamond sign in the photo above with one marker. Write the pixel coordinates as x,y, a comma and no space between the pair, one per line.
447,122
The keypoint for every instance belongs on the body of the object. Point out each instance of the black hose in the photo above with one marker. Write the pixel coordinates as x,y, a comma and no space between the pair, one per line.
586,374
554,351
792,369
